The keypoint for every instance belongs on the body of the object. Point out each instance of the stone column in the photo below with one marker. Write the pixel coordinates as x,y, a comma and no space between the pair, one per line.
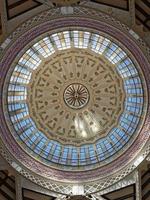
138,185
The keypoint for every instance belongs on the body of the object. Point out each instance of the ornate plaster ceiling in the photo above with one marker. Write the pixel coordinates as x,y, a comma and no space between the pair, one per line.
75,99
76,96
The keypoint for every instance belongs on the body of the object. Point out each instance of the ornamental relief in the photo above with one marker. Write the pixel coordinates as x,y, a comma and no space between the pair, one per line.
75,96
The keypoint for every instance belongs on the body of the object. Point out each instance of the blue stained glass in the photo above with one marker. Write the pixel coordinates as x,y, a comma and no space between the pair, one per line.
53,151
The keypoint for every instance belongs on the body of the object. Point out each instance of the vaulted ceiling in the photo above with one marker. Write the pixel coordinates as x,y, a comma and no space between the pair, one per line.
7,186
142,8
127,193
16,8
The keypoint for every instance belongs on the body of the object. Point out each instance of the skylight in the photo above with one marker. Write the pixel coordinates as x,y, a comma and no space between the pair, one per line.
51,151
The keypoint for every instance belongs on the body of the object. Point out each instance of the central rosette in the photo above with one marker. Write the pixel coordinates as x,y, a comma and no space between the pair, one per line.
76,96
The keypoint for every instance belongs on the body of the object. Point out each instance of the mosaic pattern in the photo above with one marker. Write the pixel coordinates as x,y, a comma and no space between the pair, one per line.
32,135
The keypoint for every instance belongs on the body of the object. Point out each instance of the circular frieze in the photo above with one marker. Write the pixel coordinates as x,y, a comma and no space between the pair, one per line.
76,96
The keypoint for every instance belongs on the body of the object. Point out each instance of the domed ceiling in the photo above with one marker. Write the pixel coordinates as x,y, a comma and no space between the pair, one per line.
75,99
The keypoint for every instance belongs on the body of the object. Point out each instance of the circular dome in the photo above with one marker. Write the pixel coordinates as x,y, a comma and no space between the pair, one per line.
76,100
79,108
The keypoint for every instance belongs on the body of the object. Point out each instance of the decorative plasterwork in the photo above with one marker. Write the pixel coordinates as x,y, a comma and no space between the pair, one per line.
120,167
63,188
82,12
93,81
41,149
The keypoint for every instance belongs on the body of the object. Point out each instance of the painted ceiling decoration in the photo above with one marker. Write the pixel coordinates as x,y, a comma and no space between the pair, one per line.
75,112
76,108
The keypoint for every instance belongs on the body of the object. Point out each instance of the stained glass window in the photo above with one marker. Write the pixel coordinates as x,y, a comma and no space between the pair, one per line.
70,155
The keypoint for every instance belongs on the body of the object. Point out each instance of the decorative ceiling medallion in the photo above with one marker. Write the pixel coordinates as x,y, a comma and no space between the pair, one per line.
76,96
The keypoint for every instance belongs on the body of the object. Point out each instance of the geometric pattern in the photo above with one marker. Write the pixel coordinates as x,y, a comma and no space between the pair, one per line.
86,12
106,81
